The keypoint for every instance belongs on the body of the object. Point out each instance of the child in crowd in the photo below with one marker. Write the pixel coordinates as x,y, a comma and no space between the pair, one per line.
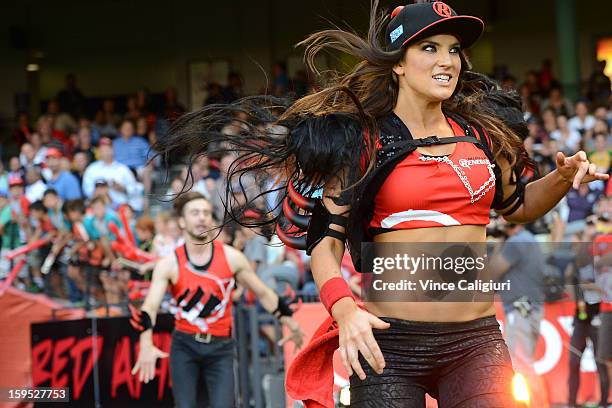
145,234
168,236
41,227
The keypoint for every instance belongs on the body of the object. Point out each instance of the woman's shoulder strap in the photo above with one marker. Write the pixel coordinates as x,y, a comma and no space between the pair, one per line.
474,129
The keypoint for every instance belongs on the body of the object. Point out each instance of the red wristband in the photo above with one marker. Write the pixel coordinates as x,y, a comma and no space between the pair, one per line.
332,291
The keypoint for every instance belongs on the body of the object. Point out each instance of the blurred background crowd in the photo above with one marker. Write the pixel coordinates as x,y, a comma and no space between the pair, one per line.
85,179
88,87
87,187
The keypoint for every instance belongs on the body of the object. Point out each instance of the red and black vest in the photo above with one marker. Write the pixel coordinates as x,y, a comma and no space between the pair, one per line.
395,144
202,296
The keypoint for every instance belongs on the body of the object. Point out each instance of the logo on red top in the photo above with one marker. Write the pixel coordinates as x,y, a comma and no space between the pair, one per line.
442,9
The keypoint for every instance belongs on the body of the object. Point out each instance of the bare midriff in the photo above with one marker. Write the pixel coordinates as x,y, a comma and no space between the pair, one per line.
434,311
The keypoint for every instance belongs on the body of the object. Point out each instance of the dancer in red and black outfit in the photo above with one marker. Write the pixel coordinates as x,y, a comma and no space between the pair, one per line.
201,276
407,147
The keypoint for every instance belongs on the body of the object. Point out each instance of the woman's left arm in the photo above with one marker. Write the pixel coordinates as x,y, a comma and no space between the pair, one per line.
542,195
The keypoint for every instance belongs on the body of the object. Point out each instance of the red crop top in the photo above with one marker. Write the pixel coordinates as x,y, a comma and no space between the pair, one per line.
431,191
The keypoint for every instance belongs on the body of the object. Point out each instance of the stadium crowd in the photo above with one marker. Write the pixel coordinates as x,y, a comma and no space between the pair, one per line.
88,193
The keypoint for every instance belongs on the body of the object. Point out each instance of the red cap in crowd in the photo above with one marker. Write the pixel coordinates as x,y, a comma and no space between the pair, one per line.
54,152
15,181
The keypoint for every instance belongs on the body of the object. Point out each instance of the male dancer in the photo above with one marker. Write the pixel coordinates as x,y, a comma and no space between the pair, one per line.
201,275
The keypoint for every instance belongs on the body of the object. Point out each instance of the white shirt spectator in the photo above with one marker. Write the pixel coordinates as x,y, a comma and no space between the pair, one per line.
200,187
164,245
569,143
35,191
136,197
39,157
576,124
111,173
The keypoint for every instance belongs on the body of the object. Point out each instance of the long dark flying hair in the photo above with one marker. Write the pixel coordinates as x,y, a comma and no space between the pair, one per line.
324,134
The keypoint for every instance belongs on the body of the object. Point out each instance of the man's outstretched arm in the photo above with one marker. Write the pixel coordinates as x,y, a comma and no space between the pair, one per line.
148,314
246,276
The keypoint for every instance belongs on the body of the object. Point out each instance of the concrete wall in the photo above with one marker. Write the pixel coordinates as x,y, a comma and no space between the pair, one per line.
524,32
117,46
12,61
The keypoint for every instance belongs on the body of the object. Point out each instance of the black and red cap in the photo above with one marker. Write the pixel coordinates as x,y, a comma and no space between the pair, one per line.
416,21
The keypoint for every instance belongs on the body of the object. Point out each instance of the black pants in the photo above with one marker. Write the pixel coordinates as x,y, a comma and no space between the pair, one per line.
192,363
464,364
583,329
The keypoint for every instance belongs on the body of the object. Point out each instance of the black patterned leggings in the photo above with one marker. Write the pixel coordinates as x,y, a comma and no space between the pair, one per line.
462,365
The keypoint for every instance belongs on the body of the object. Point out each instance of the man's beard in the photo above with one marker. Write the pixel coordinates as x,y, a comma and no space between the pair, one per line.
199,238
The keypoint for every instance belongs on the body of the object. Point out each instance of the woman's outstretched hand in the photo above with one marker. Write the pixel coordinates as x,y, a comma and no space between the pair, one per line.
356,337
577,169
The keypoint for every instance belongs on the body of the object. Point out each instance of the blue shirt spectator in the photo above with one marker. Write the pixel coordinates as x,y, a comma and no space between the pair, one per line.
66,185
581,202
64,182
97,223
130,149
59,220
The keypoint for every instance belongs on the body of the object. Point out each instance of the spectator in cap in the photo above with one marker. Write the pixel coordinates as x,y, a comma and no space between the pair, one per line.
119,177
14,217
100,183
64,182
16,194
15,180
101,190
